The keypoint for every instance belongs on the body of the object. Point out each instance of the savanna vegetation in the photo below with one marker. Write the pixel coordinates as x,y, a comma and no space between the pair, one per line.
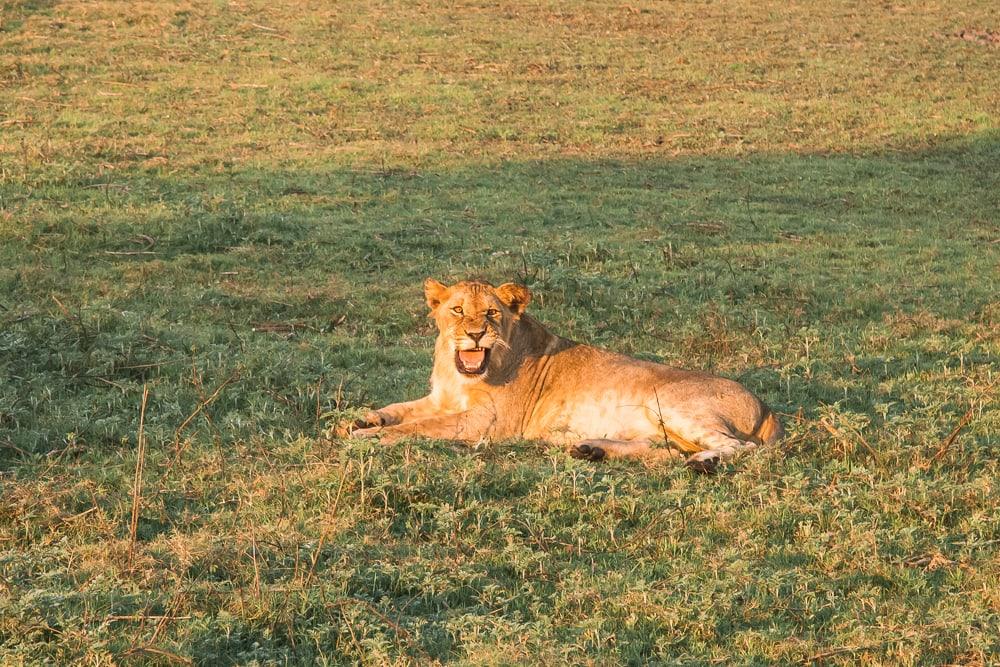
214,221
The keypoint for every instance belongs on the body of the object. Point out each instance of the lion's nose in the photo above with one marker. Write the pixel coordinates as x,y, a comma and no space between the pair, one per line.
476,335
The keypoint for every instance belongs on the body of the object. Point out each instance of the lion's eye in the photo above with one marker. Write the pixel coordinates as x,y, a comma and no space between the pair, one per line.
457,310
492,313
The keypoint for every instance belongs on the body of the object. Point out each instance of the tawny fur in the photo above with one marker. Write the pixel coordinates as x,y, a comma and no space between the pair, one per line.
540,386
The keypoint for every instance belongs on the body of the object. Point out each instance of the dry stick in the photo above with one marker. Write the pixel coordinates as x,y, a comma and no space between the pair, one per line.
72,318
64,309
400,632
339,396
58,457
947,442
674,439
822,655
663,427
7,444
837,433
322,536
659,418
137,482
201,406
199,387
319,384
74,517
171,657
816,657
141,617
162,622
256,569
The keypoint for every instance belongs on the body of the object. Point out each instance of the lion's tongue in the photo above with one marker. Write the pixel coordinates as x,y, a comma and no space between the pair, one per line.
472,359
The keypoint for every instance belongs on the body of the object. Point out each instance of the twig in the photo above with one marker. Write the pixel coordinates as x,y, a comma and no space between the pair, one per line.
141,617
659,418
837,433
319,410
65,311
172,657
279,327
948,441
400,632
837,651
322,538
75,319
256,568
675,442
338,398
822,655
78,516
166,618
155,364
137,482
25,315
58,457
110,383
7,444
201,406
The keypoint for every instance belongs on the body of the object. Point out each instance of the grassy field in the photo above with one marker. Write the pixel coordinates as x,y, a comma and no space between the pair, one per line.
233,204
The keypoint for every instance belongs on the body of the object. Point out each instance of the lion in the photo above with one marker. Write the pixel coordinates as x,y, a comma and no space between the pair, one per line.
500,374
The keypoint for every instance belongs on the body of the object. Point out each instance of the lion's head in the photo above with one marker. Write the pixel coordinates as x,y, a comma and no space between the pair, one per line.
474,321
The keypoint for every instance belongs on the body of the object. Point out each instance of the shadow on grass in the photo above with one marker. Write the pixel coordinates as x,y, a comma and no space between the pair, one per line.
16,11
785,271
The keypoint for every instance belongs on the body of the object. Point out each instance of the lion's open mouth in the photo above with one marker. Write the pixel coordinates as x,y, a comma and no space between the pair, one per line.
472,362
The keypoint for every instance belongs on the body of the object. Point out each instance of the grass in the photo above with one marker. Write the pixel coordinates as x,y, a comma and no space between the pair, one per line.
233,205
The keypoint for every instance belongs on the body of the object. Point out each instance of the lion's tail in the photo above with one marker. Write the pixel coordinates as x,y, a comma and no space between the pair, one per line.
680,442
769,430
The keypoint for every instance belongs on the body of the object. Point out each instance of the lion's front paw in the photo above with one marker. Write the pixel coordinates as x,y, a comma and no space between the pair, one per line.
359,428
587,452
706,462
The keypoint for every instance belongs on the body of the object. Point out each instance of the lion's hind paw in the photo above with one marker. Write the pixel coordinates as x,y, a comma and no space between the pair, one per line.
587,452
706,462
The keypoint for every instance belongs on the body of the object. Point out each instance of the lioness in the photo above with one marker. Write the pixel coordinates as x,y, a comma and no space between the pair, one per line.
498,373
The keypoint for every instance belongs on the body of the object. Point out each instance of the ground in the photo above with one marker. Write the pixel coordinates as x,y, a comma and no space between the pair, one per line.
233,206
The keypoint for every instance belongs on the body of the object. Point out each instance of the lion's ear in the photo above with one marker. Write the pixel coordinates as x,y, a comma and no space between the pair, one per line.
514,296
434,292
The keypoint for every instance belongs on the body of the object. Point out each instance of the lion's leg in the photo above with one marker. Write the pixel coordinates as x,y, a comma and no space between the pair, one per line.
599,449
391,414
720,446
408,411
463,426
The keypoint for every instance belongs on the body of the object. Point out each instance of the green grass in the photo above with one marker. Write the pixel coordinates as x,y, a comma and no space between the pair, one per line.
234,204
